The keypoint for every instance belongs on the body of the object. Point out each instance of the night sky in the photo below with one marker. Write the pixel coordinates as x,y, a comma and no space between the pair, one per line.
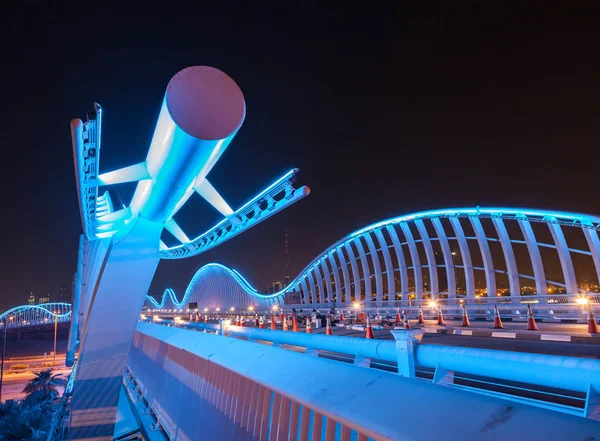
385,111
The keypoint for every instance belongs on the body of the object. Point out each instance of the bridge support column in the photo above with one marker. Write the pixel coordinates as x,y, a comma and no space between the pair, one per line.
115,305
405,341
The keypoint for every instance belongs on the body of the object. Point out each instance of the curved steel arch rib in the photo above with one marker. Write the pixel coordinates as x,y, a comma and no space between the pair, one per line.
211,288
205,287
31,315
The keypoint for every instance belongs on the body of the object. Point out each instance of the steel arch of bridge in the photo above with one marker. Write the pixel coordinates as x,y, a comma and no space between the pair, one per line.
35,315
216,286
424,251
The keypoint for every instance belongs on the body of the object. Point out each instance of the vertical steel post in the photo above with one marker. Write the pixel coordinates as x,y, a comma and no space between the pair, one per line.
55,329
3,351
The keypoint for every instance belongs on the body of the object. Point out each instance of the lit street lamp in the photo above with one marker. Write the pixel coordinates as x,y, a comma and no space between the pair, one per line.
55,329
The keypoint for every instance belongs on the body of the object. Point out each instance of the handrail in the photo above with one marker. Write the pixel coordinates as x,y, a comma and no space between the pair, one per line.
505,365
286,393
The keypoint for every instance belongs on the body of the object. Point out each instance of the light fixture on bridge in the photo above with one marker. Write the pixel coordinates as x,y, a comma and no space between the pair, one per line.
275,308
250,308
432,304
582,300
205,309
218,309
232,309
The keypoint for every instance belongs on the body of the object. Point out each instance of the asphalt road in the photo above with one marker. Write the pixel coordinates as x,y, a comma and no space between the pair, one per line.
533,346
13,384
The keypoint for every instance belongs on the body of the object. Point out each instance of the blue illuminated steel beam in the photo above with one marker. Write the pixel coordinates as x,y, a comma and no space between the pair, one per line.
201,112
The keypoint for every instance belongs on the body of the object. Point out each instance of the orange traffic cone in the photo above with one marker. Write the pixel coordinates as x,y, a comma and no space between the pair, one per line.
281,317
237,320
497,320
205,318
406,324
531,326
421,318
242,320
342,318
308,328
273,323
285,324
295,324
440,318
398,319
465,320
592,325
369,329
328,327
261,323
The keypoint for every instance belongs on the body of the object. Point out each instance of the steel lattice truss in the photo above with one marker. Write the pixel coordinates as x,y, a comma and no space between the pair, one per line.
35,315
430,255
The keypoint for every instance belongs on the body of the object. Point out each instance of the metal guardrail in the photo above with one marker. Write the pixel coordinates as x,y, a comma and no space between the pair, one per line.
58,426
211,387
551,307
567,384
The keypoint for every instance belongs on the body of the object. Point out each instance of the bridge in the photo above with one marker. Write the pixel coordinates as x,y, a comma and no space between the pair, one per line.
141,377
35,315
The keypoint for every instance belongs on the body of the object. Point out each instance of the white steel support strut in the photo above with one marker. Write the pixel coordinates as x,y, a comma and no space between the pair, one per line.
202,111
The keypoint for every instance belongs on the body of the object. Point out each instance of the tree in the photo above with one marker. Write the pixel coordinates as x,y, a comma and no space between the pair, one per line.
43,387
29,424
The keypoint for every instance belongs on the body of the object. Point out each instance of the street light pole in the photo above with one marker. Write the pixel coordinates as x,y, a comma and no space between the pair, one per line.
3,351
55,327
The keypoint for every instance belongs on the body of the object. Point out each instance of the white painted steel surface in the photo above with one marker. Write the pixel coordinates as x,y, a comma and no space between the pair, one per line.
204,386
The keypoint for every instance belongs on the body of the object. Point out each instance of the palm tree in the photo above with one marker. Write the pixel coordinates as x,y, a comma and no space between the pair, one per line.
30,424
43,386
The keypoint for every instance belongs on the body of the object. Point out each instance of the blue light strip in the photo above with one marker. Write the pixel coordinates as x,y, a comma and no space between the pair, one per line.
537,215
43,309
255,199
244,284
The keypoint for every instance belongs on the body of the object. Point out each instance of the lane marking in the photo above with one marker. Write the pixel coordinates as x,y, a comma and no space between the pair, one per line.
551,337
504,334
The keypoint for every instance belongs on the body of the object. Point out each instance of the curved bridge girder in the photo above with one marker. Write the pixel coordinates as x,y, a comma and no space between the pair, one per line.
216,286
423,255
33,315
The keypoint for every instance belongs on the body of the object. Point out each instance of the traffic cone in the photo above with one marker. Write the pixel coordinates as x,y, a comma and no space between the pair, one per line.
237,320
273,323
531,326
256,321
440,318
285,324
406,324
295,323
328,327
281,317
205,318
308,328
497,320
465,320
261,323
398,319
421,318
369,329
242,320
342,318
592,325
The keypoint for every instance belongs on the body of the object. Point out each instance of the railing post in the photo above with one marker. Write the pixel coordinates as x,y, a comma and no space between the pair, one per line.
405,341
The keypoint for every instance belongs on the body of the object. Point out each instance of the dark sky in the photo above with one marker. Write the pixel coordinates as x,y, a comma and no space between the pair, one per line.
385,111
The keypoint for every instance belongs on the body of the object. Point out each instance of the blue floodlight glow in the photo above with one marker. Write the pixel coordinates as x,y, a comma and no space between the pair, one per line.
287,176
44,308
514,213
